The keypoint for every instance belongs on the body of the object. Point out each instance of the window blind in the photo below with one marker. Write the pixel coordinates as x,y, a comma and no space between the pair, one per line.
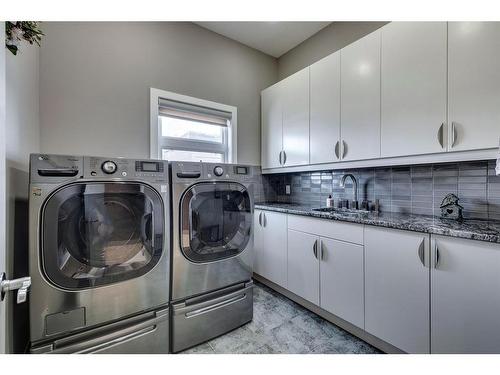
192,112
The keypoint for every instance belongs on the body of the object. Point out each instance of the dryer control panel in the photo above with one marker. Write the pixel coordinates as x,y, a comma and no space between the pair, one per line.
186,172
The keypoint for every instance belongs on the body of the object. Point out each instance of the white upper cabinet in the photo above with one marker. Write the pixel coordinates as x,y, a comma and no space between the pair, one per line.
474,85
413,91
465,284
325,110
360,93
296,119
272,126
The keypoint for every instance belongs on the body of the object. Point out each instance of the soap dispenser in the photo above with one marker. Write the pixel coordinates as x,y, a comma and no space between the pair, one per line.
329,201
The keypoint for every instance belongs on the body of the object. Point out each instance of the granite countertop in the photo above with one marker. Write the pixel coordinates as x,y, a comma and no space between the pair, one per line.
475,229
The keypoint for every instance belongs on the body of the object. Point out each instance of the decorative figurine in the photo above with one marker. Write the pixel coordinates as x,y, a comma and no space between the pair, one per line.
450,209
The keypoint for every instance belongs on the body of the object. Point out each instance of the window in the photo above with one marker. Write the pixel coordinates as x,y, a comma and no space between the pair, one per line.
190,129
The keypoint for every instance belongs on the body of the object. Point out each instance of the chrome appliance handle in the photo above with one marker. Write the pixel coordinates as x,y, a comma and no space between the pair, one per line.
21,285
440,135
58,172
337,145
216,306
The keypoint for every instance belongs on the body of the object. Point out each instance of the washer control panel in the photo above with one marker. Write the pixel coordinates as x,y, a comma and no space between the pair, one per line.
113,168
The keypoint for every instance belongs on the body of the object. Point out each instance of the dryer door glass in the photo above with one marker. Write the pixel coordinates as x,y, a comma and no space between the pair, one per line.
101,233
216,221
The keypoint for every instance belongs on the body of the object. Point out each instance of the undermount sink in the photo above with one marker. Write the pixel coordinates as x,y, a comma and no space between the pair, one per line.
343,211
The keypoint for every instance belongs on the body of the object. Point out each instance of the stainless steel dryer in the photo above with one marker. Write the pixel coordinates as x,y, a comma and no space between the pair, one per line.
212,250
99,255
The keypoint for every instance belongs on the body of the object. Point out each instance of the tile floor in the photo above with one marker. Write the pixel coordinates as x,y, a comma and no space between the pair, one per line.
280,325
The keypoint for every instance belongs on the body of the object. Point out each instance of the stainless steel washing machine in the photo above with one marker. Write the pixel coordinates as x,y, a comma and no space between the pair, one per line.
99,255
212,250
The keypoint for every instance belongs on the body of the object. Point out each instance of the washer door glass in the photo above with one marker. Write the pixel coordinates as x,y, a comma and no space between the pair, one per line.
101,233
216,221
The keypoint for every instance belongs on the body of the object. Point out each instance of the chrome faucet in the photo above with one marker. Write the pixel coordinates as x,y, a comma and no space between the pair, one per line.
355,188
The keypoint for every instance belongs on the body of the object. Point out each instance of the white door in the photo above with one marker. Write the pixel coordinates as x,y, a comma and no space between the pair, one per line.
303,265
258,241
275,247
414,65
325,110
465,302
360,98
272,126
296,118
397,288
474,85
342,281
3,224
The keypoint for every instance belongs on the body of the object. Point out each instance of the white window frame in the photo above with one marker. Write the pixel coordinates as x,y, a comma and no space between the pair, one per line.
155,130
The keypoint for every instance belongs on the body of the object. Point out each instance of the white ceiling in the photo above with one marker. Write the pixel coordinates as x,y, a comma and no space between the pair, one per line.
273,38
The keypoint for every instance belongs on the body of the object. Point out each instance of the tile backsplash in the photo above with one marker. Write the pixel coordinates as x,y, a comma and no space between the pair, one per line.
415,189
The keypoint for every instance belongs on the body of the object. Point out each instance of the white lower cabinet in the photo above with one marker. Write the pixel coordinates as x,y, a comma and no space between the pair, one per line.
417,292
341,280
397,288
465,296
270,246
303,265
324,268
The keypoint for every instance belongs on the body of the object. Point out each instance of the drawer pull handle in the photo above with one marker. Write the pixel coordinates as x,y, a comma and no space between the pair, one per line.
216,306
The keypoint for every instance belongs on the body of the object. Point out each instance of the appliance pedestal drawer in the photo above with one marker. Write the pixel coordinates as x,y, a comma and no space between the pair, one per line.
202,318
147,333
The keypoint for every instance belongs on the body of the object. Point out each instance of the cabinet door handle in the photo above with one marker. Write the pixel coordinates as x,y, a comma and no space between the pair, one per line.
265,220
284,157
436,257
421,252
337,145
344,149
440,135
260,219
453,134
321,250
315,249
279,157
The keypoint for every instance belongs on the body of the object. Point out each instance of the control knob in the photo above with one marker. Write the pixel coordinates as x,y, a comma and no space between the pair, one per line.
109,167
218,171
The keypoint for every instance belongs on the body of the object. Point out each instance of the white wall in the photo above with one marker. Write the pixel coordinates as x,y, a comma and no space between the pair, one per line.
22,138
95,80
